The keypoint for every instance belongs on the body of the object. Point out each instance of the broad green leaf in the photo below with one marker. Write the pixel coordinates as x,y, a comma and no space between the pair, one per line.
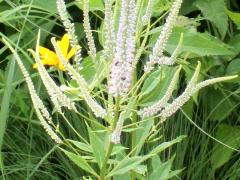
162,170
93,5
235,43
88,71
166,145
97,146
156,85
142,134
117,149
214,11
126,165
233,67
200,44
229,135
187,7
235,17
80,162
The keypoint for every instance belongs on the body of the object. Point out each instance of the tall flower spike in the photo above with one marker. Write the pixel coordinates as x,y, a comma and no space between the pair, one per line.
123,62
69,27
38,105
87,29
148,13
109,32
154,109
95,107
160,45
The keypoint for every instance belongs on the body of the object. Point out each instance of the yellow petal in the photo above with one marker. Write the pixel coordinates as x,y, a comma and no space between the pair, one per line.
61,67
35,66
70,53
64,44
48,57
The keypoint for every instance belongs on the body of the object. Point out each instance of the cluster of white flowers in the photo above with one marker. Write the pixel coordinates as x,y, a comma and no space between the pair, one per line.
109,33
123,61
69,27
147,16
160,45
87,29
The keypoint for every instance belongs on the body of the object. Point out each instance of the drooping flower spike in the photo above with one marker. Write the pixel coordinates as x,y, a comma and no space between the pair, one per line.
41,111
165,109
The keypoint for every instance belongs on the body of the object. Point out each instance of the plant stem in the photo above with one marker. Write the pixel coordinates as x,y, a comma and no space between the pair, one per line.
110,145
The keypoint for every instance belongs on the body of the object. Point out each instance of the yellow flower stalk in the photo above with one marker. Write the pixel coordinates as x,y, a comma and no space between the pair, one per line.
50,58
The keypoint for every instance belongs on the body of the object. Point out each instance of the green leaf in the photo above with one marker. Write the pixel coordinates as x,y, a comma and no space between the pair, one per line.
126,165
200,44
235,43
214,11
233,67
142,134
156,85
188,6
80,162
97,146
230,136
235,17
162,170
82,146
166,145
93,5
47,5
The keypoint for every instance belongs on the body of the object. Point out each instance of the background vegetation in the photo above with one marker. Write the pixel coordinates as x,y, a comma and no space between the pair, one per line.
211,35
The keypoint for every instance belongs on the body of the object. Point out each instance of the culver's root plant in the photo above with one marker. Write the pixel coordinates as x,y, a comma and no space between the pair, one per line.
123,139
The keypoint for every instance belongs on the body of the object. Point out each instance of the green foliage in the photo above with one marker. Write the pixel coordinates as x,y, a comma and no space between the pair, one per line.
200,44
79,161
235,17
208,36
214,11
230,136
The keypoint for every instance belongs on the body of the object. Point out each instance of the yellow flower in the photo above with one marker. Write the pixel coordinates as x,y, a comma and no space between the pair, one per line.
50,58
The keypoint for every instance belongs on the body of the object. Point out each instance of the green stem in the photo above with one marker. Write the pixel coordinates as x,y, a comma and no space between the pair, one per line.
110,145
134,120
